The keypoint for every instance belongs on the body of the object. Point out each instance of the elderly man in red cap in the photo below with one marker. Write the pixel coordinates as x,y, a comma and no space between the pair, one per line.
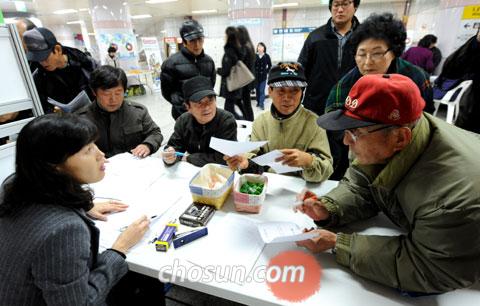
421,172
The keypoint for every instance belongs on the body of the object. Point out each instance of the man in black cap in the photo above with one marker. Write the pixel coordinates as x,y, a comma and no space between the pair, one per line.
189,62
290,128
203,120
326,55
63,73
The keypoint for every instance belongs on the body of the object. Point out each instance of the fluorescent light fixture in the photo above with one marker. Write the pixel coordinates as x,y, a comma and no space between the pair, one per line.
91,34
20,6
144,16
159,1
75,22
66,11
289,4
83,10
204,11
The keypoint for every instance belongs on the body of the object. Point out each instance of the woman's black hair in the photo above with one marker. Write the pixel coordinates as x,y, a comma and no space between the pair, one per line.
106,77
232,37
246,42
112,49
382,27
43,144
264,47
427,40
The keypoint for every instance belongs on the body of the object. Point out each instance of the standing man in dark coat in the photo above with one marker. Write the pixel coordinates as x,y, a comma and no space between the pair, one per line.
326,54
189,62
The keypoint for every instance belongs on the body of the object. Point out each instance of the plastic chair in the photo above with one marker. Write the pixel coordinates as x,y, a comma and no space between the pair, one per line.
244,129
453,107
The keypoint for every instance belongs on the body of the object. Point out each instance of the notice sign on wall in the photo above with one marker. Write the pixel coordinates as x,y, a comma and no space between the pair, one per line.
469,25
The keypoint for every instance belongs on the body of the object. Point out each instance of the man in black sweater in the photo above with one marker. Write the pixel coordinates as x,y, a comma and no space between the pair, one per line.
203,120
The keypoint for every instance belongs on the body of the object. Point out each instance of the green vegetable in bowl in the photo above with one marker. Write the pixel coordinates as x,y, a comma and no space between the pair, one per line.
252,188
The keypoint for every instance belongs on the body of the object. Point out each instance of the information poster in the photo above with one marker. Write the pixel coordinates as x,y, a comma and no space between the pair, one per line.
469,25
153,57
288,42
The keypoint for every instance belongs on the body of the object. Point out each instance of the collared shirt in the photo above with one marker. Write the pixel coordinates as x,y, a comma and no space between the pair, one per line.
342,40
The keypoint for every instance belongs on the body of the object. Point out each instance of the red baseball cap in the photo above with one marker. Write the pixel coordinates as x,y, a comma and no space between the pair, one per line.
377,99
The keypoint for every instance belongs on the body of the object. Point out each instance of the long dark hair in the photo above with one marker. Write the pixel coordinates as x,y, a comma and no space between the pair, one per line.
232,38
42,145
427,40
246,42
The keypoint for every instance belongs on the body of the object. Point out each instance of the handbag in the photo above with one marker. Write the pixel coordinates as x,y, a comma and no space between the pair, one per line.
239,76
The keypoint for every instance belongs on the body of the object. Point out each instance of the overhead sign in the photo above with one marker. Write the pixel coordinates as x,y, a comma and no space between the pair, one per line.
471,12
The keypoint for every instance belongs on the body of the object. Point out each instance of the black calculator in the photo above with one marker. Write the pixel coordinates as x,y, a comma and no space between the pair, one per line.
197,214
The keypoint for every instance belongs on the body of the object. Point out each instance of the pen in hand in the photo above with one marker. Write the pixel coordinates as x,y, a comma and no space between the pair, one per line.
123,228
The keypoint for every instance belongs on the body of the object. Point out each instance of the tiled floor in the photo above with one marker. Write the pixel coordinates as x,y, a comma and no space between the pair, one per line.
159,110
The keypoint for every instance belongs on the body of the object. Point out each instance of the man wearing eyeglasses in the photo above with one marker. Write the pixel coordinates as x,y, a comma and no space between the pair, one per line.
326,55
421,172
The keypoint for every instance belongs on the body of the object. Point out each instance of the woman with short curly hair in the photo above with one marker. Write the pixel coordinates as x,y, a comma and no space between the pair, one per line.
378,43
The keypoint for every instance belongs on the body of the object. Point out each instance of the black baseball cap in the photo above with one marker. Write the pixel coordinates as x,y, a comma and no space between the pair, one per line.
289,74
191,30
40,42
197,88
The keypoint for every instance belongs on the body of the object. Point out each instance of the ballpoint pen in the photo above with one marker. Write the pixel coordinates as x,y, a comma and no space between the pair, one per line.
126,226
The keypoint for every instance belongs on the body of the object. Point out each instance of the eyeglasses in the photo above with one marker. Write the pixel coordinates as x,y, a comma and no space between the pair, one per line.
337,5
355,134
375,57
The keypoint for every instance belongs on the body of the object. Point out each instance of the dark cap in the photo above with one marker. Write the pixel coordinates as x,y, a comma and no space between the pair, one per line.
288,74
191,30
40,42
356,3
391,99
197,88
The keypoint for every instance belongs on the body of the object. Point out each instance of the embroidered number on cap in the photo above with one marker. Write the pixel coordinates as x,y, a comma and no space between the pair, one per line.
351,103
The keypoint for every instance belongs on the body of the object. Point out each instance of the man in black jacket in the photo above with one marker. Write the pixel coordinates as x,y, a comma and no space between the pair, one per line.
326,54
63,73
190,140
189,62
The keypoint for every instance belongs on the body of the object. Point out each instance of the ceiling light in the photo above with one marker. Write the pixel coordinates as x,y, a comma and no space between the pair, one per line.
159,1
91,34
83,10
289,4
204,11
144,16
66,11
75,22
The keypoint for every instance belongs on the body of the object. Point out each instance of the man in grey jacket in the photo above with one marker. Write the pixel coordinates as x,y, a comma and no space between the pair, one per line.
123,126
421,172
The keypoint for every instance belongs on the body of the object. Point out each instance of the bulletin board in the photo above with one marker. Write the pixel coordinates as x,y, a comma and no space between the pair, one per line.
18,94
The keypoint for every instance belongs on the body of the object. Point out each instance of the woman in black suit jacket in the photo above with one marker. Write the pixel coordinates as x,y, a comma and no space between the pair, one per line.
49,252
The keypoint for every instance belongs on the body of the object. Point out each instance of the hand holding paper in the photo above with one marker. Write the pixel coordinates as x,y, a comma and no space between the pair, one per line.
269,159
232,148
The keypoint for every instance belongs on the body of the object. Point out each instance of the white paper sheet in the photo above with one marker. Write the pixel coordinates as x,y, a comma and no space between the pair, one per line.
231,148
276,232
268,159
